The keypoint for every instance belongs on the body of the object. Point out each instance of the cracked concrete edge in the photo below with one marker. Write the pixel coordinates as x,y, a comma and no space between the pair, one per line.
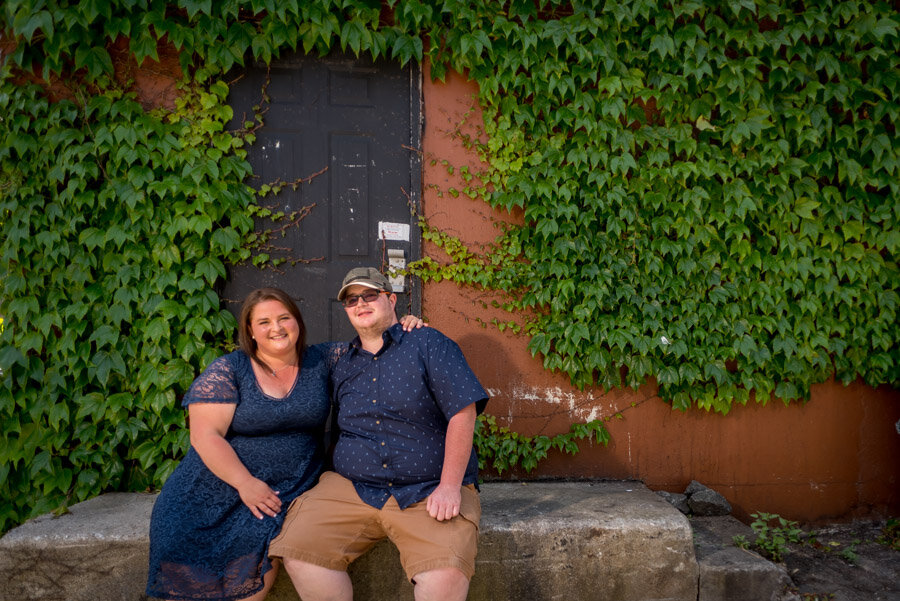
111,517
615,516
727,571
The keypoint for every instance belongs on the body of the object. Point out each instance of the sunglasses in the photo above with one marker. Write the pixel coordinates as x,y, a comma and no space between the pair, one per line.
370,296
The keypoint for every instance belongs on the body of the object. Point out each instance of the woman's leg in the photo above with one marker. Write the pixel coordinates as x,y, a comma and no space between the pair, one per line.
268,581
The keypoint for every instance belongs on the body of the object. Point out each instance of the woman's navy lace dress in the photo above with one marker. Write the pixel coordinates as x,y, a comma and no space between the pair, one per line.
204,542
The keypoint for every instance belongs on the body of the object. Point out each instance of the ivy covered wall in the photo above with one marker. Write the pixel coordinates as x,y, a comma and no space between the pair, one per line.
834,455
709,192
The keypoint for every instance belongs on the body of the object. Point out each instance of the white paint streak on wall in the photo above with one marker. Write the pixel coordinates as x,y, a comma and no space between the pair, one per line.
583,406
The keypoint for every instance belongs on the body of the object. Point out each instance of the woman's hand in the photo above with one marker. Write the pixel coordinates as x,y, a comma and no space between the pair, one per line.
411,322
209,423
259,498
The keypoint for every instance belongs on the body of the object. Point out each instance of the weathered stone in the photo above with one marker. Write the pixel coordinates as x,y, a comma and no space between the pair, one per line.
609,540
677,500
708,502
96,551
598,541
613,541
729,572
693,487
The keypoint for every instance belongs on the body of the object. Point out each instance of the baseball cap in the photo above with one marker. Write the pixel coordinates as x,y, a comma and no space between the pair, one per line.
364,276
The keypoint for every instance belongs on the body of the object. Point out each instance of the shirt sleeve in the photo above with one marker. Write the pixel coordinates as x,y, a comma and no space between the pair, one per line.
452,382
217,384
332,351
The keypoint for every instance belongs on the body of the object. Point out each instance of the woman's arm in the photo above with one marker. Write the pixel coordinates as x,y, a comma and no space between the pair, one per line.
209,423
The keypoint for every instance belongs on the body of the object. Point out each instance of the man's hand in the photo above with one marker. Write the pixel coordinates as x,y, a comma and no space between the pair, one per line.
259,498
443,503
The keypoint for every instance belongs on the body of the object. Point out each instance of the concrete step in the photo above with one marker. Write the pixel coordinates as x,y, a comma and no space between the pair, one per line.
546,540
730,573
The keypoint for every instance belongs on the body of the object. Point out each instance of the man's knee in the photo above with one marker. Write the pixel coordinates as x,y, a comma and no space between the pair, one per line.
290,564
297,568
442,583
317,583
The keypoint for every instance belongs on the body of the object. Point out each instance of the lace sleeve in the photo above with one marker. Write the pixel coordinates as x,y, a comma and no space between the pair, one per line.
334,351
217,384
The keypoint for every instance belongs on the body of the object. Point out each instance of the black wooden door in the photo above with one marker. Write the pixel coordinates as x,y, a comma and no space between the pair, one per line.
353,127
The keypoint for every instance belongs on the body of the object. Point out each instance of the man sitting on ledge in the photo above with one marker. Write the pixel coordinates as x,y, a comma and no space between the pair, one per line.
405,467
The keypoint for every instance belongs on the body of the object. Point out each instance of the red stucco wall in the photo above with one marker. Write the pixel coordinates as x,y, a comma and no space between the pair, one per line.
834,457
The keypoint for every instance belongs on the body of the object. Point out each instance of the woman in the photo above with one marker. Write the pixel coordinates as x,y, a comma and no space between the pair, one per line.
257,418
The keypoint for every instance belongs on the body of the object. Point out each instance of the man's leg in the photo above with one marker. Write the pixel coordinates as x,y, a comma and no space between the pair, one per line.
324,530
438,557
443,584
315,583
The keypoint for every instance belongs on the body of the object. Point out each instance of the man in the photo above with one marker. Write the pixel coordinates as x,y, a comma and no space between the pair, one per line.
404,465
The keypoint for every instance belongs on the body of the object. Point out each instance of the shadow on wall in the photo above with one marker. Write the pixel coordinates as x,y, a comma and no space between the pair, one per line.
487,357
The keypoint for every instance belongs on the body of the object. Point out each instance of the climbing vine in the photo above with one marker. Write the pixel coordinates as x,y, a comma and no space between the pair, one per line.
115,232
501,449
709,190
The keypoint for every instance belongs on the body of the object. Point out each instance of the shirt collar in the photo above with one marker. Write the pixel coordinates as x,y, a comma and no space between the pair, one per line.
392,334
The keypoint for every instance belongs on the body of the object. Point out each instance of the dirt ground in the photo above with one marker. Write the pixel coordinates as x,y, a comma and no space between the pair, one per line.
844,562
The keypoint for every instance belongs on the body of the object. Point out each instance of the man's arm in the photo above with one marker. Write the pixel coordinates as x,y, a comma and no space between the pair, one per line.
443,503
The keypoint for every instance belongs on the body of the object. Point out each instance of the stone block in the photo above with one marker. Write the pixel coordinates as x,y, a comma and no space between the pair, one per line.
552,540
96,551
615,541
729,572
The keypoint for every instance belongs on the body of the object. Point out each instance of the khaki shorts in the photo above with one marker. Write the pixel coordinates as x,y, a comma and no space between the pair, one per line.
330,526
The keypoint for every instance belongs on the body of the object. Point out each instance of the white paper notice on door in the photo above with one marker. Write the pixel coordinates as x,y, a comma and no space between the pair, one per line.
393,231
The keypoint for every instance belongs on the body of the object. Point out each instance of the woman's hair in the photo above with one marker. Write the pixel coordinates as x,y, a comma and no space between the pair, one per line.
245,339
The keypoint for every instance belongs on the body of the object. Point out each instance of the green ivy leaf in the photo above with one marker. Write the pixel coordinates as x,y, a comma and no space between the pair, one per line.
197,6
407,48
26,23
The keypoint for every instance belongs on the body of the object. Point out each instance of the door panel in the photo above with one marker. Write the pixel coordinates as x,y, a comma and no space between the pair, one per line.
356,124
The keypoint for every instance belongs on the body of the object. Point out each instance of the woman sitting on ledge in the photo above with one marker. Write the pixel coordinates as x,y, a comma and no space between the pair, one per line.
257,420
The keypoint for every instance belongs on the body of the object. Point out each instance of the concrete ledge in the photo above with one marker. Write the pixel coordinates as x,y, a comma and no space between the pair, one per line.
598,541
97,551
729,572
551,540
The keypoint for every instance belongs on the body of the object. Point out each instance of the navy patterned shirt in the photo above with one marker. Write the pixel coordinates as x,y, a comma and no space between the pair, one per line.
392,413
